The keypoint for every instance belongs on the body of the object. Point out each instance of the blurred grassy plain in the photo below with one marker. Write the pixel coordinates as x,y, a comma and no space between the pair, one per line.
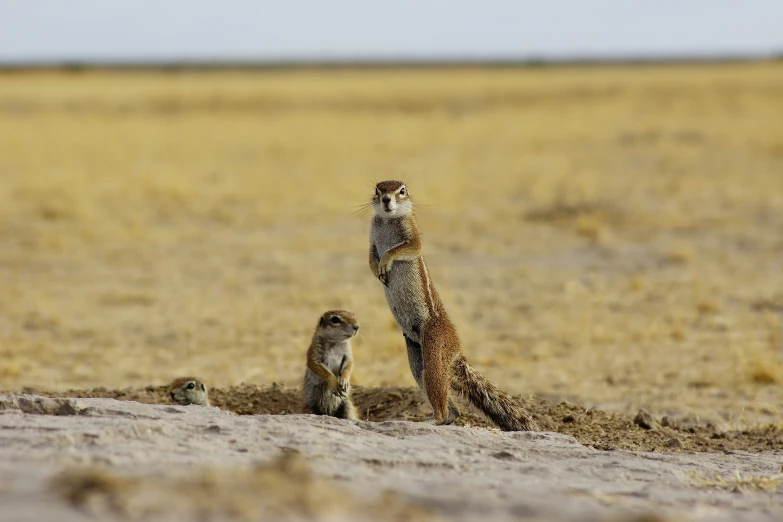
613,235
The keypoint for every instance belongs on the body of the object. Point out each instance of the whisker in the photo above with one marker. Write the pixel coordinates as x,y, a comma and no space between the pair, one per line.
362,210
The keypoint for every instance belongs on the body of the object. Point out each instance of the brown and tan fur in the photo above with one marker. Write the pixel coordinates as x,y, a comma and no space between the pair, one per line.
188,390
434,349
327,383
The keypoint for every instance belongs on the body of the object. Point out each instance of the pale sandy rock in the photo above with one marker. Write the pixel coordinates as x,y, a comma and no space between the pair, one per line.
148,462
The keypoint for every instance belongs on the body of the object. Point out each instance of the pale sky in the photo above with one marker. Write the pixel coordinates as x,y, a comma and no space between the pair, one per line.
170,30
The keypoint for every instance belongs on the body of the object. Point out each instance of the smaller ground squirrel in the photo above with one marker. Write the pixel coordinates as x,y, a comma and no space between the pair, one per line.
188,390
327,382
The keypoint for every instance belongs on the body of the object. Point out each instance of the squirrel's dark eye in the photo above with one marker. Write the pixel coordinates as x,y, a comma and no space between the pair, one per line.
191,385
335,320
402,191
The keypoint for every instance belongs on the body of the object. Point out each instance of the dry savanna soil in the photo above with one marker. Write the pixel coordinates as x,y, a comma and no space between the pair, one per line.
591,427
607,237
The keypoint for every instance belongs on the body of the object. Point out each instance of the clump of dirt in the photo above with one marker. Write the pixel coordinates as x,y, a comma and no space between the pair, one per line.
592,427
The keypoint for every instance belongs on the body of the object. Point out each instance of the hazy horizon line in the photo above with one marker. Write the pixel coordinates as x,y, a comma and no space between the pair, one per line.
366,62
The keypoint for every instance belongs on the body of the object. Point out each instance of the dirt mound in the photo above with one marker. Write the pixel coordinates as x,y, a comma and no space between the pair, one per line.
602,430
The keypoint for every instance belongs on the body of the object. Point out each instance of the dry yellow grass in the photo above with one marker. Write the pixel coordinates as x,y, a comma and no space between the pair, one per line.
611,235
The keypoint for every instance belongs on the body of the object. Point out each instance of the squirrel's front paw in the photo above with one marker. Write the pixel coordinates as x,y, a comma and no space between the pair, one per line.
342,387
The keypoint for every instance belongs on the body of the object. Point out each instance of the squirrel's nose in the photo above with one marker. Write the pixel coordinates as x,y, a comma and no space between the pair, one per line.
386,199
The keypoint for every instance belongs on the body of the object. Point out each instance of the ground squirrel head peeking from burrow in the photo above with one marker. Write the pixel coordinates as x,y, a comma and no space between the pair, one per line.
337,325
188,390
391,200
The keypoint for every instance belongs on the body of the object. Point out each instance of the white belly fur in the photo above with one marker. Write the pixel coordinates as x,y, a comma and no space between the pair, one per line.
405,293
405,298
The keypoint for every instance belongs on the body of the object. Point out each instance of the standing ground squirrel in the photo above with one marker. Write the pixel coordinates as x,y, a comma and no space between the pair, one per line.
327,382
188,390
434,349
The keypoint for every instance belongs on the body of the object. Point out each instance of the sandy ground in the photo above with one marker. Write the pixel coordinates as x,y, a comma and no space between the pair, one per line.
76,459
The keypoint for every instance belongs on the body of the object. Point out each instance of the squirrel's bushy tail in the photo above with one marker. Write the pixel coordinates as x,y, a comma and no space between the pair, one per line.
495,403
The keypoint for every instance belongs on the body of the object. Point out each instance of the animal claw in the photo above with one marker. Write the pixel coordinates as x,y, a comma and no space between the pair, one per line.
383,276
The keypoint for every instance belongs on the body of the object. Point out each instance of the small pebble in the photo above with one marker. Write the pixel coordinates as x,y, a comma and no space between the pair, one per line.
674,442
644,420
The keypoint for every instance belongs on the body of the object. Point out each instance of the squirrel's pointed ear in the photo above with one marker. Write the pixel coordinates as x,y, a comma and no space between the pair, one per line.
321,321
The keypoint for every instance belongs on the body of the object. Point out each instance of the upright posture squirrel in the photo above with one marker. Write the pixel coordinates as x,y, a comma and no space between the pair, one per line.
434,349
188,390
327,382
